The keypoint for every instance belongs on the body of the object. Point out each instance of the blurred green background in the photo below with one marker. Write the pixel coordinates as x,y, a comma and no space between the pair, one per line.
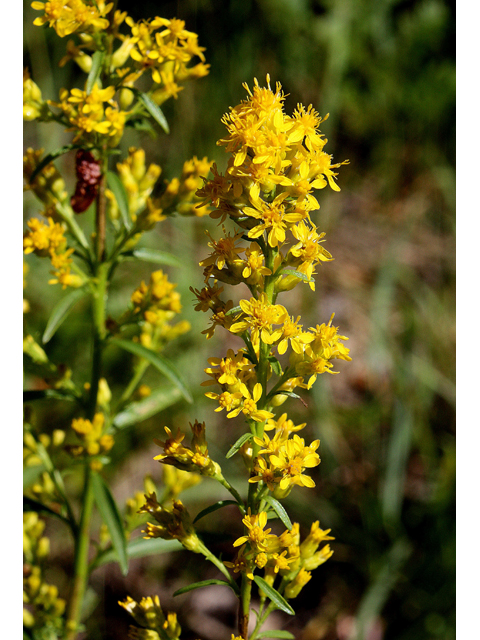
385,71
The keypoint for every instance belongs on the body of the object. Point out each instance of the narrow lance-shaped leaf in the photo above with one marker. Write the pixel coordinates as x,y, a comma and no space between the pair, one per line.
156,256
279,510
214,507
110,515
146,408
97,63
60,312
30,474
154,110
239,443
139,548
118,190
274,596
158,361
203,583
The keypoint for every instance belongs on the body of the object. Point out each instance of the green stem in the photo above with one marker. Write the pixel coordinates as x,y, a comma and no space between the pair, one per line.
244,609
214,560
81,559
233,491
261,619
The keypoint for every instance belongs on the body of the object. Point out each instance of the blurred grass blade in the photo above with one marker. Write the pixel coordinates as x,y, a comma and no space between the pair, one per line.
397,457
199,585
214,507
377,594
157,257
146,408
110,515
274,596
60,312
118,190
279,633
51,156
154,110
279,510
159,362
139,548
239,443
30,474
97,62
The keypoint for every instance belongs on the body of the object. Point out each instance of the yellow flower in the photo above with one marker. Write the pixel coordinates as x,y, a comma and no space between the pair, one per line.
68,16
256,536
249,402
260,316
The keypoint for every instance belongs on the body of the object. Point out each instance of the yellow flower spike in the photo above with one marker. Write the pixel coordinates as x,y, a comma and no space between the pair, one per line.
256,537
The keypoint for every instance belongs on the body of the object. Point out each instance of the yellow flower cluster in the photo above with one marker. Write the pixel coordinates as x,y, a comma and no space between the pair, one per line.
43,606
159,303
32,98
138,181
282,555
149,615
172,524
87,116
47,239
69,16
95,442
180,194
194,459
164,48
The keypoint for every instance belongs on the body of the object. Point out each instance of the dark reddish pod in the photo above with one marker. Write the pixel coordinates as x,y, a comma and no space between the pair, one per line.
88,178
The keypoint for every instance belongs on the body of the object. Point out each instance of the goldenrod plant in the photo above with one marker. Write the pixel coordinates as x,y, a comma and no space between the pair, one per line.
131,69
276,162
266,196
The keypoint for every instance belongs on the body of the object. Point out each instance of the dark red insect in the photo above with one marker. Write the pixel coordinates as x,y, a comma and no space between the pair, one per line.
88,179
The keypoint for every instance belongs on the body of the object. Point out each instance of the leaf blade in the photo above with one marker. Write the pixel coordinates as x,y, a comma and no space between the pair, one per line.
139,548
199,585
159,362
157,257
60,312
239,443
279,510
154,110
274,596
118,190
146,408
214,507
277,633
94,73
111,516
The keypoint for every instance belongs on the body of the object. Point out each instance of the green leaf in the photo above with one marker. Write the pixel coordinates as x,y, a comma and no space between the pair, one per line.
33,505
239,443
214,507
146,408
274,596
60,312
30,474
97,63
157,257
51,156
159,362
116,186
199,585
278,633
297,274
231,312
142,124
110,515
279,510
276,366
40,394
139,548
154,110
